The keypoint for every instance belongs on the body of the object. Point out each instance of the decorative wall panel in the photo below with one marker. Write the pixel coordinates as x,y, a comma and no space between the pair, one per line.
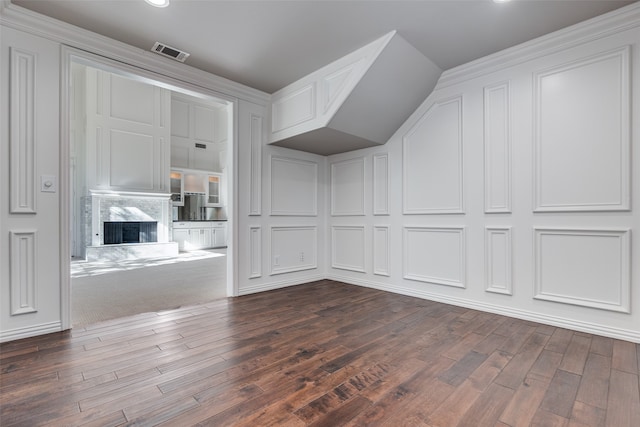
435,255
498,260
334,84
381,184
294,187
131,160
23,271
180,120
381,260
582,135
584,267
131,100
255,190
347,187
347,248
293,248
255,246
497,148
432,161
203,124
22,145
295,108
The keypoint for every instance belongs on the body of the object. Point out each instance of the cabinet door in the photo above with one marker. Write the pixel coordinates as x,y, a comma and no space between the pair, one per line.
181,236
220,237
213,190
176,183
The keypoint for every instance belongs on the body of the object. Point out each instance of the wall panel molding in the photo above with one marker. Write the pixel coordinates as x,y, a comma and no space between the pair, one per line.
381,254
22,146
334,84
255,190
432,161
348,187
585,267
497,148
498,260
381,184
23,271
582,134
293,248
348,248
295,108
255,254
435,255
294,187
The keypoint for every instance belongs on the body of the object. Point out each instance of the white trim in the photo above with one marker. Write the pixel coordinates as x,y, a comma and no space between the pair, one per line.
360,211
75,37
255,259
546,319
23,267
597,28
255,182
624,204
338,265
460,209
489,205
30,331
507,289
462,250
624,287
22,131
383,168
376,269
307,163
309,266
278,285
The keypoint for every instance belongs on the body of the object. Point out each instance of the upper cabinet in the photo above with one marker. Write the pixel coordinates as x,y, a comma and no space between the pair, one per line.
198,133
127,134
358,101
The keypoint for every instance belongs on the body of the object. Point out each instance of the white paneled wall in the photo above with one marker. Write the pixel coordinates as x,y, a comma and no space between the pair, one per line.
281,209
512,189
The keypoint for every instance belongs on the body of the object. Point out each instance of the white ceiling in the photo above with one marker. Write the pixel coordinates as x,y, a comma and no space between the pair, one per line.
270,44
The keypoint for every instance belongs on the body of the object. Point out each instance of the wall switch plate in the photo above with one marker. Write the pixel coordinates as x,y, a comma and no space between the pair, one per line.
48,183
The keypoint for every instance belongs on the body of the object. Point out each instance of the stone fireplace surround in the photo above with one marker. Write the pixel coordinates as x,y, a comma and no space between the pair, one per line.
109,206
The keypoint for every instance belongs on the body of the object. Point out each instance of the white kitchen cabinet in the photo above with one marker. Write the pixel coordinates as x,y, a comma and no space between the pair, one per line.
176,183
193,235
219,235
212,191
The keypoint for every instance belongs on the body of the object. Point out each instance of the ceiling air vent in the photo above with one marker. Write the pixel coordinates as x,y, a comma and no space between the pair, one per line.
169,51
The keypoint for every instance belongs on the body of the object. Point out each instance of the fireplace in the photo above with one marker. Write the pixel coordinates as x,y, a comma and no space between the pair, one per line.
123,226
117,232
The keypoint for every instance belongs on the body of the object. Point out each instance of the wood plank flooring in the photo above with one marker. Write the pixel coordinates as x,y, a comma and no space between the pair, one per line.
320,354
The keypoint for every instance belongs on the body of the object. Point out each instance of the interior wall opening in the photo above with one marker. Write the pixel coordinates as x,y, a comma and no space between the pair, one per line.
149,200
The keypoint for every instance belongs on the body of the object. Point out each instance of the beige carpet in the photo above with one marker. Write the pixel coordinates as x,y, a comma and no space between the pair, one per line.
107,290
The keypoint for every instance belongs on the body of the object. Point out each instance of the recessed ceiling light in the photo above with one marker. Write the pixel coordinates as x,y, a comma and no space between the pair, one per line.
158,3
501,1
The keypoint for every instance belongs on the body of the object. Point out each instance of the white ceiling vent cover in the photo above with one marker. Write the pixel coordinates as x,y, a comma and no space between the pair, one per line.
169,51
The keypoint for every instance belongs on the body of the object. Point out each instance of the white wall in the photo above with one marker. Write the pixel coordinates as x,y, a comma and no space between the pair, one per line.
510,189
281,209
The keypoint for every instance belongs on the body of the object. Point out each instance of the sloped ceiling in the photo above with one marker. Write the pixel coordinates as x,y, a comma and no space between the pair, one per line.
269,44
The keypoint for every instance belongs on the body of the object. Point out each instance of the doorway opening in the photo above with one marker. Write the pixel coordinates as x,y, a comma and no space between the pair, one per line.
149,200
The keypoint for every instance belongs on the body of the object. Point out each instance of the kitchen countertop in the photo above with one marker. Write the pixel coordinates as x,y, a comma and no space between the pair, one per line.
200,220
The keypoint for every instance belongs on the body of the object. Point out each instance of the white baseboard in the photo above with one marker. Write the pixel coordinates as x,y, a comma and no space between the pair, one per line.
278,285
30,331
561,322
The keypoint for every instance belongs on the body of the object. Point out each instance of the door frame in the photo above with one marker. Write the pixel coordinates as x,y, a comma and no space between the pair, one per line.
69,55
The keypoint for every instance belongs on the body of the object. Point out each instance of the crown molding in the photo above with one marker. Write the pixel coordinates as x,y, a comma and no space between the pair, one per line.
26,20
616,21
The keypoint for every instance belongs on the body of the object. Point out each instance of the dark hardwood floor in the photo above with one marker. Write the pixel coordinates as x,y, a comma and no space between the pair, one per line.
321,354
